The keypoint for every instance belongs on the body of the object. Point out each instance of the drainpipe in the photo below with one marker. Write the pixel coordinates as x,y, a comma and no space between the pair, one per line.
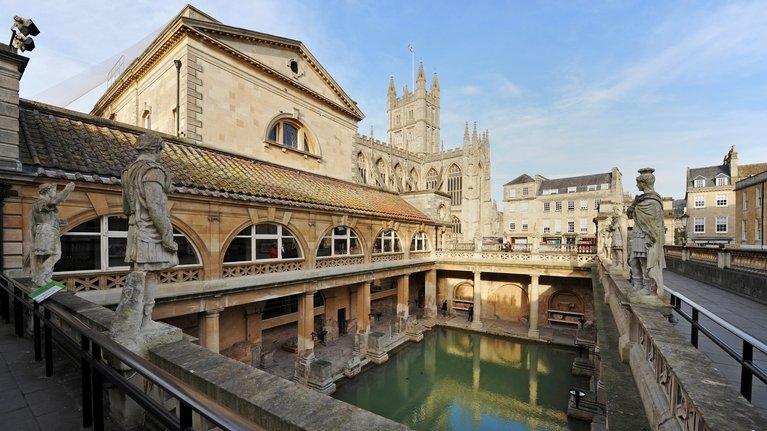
178,96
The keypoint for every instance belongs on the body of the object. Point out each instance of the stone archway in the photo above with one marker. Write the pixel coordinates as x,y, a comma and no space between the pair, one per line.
508,302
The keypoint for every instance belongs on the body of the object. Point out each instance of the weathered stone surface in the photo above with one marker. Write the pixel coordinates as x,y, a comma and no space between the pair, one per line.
46,236
269,401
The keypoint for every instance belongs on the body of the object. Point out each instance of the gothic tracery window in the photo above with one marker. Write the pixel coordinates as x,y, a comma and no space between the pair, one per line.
455,185
362,169
432,177
456,225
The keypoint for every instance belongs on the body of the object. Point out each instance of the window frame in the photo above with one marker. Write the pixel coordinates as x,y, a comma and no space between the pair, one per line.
699,183
702,225
306,143
699,201
387,236
721,201
420,237
254,237
104,234
717,224
350,233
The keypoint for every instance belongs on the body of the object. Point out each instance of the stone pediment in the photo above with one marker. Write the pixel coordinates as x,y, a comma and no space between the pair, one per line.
277,53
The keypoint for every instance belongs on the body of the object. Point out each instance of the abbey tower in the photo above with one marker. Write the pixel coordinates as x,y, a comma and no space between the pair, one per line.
414,117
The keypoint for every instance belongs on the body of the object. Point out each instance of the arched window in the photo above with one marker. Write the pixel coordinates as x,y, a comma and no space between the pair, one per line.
382,172
290,134
263,241
454,185
419,242
340,241
99,245
146,118
362,168
413,183
456,225
432,177
387,242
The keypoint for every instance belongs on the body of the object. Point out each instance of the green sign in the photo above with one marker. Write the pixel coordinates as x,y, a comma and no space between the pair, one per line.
43,292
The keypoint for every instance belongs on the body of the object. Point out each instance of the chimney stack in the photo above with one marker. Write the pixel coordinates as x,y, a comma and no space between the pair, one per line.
12,66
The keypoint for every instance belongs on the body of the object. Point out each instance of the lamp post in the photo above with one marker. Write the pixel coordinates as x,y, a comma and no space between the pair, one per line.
578,395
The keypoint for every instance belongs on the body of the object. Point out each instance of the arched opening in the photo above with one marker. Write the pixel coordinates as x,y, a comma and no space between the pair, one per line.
100,244
387,242
432,179
263,242
565,308
362,168
413,180
340,241
290,133
508,302
455,185
456,225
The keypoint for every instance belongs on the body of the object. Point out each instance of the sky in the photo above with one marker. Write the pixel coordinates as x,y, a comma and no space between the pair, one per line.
564,87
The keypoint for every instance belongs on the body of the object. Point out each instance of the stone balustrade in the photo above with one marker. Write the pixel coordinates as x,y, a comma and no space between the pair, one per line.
80,282
741,259
680,387
568,259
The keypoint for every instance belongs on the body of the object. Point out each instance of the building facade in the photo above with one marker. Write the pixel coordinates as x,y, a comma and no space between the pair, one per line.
750,214
710,196
558,211
413,161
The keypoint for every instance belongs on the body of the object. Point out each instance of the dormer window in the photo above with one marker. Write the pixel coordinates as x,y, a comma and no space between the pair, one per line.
700,182
723,181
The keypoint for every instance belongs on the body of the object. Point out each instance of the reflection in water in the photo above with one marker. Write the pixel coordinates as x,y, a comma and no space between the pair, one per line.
455,380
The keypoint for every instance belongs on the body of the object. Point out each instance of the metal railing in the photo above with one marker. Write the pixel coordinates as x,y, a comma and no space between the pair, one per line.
89,351
746,359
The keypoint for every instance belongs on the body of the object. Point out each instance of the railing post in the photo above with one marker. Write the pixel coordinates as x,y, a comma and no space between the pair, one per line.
47,342
36,331
85,374
18,313
185,416
4,303
694,328
97,386
745,373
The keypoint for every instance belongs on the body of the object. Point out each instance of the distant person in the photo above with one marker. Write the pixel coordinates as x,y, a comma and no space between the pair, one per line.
273,253
444,308
471,313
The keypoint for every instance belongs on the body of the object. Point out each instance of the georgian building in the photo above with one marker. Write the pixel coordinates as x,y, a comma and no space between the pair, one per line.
558,211
750,213
710,196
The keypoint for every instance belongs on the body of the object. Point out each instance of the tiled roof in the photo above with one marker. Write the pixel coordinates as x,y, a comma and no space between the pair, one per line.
750,181
524,178
745,171
581,182
59,143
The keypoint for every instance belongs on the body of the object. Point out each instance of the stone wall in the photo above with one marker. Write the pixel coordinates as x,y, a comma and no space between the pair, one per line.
749,284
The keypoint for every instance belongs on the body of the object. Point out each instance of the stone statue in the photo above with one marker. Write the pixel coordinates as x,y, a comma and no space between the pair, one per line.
605,234
617,241
46,238
646,259
150,247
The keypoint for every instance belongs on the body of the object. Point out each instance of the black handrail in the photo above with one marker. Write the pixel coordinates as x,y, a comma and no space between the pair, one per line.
748,368
91,348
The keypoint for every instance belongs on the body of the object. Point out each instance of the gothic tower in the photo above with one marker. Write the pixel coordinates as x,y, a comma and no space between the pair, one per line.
414,117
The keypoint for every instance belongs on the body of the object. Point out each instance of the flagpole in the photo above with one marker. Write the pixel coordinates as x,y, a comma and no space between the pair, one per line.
412,66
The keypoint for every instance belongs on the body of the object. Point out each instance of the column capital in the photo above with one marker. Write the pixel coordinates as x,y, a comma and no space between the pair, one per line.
535,277
212,312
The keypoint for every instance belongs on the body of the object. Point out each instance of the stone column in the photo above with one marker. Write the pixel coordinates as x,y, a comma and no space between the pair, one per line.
253,330
430,293
477,320
305,343
532,298
209,335
363,308
403,297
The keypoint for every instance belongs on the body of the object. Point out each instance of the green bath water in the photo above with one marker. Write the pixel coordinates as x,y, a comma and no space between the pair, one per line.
456,380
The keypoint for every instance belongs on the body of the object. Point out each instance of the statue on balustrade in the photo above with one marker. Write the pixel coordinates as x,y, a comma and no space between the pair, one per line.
646,257
617,229
150,247
46,235
605,237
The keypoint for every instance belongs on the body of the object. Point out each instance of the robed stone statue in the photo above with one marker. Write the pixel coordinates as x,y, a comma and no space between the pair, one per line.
150,247
646,258
46,235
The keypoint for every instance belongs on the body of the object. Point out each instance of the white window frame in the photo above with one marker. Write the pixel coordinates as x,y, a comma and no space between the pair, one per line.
699,183
571,226
557,226
512,226
104,234
604,186
390,237
722,181
744,195
350,233
702,224
699,201
570,206
584,225
524,225
591,187
253,236
546,226
558,206
584,205
721,200
547,207
717,224
550,191
420,242
525,191
572,189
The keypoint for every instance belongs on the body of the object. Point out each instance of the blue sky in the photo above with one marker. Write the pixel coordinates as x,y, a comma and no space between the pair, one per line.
565,88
